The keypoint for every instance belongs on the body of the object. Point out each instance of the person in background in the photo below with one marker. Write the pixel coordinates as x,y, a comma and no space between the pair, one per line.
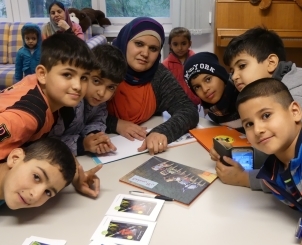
60,22
180,43
148,89
28,57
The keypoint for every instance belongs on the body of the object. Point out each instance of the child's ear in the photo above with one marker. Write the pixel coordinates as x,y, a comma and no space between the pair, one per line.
296,111
41,73
273,62
16,156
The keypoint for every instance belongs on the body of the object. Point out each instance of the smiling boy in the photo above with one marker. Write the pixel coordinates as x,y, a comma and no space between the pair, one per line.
85,133
272,122
29,108
257,53
34,174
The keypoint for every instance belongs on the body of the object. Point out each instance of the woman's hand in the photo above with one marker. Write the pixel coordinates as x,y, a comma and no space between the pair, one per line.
155,143
63,25
130,130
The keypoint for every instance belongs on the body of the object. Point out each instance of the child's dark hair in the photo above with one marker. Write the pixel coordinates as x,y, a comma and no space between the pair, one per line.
66,48
30,30
179,31
266,87
55,152
258,42
112,62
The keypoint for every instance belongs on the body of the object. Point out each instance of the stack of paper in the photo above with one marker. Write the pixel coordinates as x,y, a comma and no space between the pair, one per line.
130,220
34,240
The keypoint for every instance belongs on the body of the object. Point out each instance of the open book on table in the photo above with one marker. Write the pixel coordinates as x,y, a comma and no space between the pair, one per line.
127,148
129,220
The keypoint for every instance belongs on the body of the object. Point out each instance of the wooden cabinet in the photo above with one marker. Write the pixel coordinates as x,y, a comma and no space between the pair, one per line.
234,17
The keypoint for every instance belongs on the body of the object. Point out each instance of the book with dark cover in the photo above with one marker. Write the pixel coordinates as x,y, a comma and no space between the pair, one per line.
171,179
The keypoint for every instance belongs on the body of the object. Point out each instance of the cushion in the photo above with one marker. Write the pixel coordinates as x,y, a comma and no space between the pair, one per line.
4,30
96,40
88,34
7,73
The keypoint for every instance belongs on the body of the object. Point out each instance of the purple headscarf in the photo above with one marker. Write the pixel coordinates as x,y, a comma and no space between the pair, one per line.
130,30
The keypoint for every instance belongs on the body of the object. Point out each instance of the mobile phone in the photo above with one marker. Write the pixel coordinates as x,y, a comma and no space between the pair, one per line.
244,156
222,151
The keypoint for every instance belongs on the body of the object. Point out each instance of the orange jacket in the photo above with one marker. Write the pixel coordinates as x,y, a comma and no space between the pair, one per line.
24,115
176,67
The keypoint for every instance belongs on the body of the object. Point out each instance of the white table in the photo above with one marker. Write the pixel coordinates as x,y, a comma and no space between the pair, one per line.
222,214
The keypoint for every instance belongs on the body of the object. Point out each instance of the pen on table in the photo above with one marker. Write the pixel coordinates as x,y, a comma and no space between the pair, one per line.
142,194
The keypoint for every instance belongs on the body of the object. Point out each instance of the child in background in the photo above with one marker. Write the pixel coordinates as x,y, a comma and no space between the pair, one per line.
85,133
29,108
180,43
28,57
272,122
210,82
34,174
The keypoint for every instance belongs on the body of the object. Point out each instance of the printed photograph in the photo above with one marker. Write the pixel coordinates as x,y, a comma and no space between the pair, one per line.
136,206
38,243
126,231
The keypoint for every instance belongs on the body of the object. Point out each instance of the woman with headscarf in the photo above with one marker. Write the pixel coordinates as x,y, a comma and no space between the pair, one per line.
148,89
60,22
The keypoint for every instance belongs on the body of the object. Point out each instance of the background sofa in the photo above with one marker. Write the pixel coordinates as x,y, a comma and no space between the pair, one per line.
11,42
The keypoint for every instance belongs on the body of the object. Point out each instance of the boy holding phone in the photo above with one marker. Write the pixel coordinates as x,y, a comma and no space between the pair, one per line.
272,121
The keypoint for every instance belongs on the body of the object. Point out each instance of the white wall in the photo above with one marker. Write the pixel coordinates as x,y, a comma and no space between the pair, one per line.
203,42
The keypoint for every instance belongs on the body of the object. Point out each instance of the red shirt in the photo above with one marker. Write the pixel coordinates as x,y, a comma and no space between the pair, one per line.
177,69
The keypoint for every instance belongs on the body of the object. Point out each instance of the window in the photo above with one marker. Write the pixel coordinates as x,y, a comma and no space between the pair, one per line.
5,11
37,10
120,12
2,9
136,8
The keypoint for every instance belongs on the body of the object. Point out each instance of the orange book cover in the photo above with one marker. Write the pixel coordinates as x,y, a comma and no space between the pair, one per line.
205,136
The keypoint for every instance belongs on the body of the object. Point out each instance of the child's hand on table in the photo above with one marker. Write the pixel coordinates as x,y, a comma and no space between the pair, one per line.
87,182
98,143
